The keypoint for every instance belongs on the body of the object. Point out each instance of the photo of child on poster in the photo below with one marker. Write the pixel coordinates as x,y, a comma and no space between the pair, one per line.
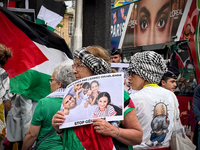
99,96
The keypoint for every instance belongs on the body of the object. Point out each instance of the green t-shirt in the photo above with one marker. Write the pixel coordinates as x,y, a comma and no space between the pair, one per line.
44,111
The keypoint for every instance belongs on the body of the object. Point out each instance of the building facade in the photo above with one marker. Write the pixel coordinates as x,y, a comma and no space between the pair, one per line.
65,28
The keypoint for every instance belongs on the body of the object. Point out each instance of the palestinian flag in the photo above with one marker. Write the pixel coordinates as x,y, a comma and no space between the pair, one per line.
36,50
51,13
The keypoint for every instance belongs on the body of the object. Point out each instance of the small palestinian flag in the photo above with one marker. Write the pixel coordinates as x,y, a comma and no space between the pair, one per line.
36,51
128,103
51,13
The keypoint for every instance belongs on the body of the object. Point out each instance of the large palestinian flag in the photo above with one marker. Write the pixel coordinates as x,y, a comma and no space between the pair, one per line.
36,50
51,13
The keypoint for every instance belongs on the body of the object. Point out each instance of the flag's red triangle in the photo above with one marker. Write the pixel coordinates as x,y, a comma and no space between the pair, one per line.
26,54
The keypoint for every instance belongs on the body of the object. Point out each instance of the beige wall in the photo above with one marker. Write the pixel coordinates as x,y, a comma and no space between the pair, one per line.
63,31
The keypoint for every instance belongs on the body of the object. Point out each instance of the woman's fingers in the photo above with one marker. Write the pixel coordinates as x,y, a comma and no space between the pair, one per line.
58,118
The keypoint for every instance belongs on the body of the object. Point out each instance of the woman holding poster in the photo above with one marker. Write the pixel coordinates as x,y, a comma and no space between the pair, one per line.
101,134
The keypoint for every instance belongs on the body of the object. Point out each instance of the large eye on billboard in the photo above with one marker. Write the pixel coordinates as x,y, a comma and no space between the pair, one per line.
148,22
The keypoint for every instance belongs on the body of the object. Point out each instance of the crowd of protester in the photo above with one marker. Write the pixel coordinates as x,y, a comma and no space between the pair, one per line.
148,102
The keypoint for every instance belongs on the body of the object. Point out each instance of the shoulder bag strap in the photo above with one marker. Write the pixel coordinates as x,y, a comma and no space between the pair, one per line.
174,111
44,138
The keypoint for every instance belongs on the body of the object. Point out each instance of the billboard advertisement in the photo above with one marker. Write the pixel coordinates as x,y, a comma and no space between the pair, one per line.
148,22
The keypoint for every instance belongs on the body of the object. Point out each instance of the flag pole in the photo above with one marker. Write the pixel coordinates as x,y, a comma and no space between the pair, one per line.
77,35
27,4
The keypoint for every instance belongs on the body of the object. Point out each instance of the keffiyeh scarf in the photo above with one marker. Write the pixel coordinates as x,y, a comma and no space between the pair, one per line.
97,65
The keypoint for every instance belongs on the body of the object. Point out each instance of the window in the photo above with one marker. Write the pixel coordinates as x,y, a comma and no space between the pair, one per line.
73,3
70,29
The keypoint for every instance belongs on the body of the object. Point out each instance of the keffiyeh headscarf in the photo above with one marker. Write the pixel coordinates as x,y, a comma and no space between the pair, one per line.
97,65
149,65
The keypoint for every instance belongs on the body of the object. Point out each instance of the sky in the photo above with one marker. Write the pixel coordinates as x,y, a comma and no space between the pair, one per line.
69,3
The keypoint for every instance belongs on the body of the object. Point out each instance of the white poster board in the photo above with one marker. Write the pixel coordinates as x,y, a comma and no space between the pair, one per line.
81,106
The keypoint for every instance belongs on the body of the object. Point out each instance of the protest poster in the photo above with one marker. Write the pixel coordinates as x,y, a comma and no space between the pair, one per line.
99,96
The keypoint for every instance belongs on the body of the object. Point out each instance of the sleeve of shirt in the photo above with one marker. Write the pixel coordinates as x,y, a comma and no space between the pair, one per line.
128,103
39,114
111,111
85,97
196,103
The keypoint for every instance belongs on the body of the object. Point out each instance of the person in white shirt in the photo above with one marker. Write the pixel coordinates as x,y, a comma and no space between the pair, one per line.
154,105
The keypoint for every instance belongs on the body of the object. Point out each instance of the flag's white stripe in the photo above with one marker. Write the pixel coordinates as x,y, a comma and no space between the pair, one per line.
126,108
54,56
51,18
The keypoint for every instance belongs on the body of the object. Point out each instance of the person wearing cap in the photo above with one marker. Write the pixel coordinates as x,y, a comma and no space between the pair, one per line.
115,56
154,105
169,79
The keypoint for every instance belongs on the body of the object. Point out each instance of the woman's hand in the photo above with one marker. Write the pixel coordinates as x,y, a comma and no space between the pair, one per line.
105,128
58,120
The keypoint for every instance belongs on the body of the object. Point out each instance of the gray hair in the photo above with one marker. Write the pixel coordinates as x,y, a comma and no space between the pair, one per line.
63,73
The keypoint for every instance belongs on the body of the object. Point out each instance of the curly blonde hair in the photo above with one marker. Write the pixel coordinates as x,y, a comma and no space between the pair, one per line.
5,53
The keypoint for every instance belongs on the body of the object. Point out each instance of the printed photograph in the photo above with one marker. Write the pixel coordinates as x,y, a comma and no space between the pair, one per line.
98,96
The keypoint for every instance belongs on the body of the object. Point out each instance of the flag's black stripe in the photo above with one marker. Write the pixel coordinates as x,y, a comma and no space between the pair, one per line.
38,33
126,103
57,7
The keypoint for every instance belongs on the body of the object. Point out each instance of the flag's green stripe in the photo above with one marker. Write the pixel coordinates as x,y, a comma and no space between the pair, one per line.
50,28
40,21
32,84
71,141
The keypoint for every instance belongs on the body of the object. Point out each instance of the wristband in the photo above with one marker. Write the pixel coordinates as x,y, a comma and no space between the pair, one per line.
119,132
60,133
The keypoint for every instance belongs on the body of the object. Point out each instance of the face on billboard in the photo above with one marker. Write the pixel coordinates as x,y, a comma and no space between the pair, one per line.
153,22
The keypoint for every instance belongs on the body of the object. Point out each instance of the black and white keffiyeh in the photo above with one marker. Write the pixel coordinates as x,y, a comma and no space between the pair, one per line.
97,65
149,65
4,85
59,93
